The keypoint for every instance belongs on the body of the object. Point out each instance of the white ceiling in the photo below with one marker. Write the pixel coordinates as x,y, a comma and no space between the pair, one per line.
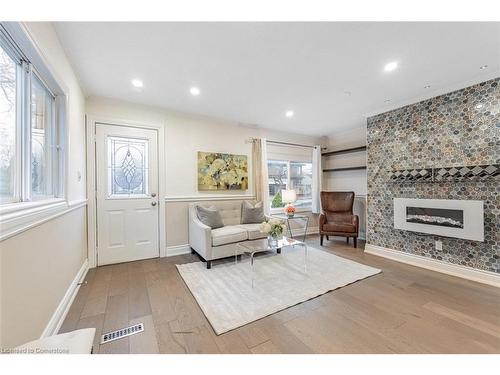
254,72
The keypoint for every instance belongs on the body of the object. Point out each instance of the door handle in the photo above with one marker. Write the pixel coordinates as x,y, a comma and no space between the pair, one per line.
153,203
153,195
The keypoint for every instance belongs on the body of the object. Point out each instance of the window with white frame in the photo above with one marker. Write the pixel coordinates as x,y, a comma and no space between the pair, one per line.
30,135
290,175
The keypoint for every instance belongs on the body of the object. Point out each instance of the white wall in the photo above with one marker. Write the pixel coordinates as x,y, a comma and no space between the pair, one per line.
39,265
37,269
354,180
185,134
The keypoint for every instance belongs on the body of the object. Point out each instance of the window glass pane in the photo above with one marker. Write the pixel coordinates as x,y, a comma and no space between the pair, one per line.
42,145
278,180
127,166
8,156
300,181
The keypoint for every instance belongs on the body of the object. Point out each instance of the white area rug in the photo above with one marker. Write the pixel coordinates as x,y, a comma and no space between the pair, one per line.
226,296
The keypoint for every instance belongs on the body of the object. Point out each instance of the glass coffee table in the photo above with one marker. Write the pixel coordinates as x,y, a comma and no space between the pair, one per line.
263,245
287,219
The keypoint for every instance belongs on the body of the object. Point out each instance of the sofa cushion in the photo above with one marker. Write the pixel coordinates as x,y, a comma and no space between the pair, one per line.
228,234
339,227
209,216
252,213
253,230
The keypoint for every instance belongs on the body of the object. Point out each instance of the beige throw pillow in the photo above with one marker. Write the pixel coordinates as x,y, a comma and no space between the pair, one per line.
209,216
252,213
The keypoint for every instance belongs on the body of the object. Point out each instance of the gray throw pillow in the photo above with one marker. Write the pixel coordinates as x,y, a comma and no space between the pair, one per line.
252,213
209,216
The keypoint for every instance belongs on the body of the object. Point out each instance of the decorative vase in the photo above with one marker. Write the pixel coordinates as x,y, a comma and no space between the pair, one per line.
272,240
290,214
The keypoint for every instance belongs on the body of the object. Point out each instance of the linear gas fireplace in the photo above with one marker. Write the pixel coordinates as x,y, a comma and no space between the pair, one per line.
442,217
435,216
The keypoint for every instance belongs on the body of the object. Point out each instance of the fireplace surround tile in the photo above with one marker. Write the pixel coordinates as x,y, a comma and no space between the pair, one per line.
446,132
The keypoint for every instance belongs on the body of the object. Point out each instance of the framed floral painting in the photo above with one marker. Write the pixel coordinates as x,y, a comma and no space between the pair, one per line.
218,171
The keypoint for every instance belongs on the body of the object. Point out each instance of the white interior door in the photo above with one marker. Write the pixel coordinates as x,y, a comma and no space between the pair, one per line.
127,193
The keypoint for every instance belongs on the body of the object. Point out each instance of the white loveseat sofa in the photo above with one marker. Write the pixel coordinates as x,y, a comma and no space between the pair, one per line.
219,243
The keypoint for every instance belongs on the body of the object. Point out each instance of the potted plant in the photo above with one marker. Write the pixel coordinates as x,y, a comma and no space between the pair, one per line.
274,229
290,211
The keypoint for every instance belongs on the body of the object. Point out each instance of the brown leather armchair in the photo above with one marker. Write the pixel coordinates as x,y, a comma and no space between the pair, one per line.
337,218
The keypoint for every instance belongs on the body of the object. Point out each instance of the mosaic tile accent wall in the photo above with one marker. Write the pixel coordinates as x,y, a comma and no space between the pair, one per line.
461,128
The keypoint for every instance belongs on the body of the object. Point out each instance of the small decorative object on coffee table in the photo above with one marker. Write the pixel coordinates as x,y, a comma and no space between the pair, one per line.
274,229
289,197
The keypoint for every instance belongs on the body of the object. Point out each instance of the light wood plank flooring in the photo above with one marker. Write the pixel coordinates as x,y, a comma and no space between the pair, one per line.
404,309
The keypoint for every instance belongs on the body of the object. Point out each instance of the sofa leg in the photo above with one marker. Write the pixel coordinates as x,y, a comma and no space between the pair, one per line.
355,242
347,240
321,240
327,238
209,264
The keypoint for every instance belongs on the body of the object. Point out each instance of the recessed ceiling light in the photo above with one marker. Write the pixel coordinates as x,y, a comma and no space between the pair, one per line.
387,100
478,106
195,91
289,114
389,67
137,83
347,93
427,86
483,67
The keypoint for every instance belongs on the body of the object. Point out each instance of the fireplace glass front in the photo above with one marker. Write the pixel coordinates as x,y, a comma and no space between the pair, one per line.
435,216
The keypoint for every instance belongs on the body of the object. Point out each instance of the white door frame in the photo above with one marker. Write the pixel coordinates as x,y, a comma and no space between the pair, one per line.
91,181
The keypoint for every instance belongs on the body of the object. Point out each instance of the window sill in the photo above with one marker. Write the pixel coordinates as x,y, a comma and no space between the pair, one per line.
18,217
10,210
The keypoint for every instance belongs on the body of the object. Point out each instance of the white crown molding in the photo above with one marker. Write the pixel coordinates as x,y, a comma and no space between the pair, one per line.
468,273
59,315
29,216
212,197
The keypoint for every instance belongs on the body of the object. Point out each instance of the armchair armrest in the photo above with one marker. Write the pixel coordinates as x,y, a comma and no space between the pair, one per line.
200,238
322,220
355,222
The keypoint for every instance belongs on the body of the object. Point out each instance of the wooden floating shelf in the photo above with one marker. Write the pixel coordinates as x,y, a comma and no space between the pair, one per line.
345,151
345,169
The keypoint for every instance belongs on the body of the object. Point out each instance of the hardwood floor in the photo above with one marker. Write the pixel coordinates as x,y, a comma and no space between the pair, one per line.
404,309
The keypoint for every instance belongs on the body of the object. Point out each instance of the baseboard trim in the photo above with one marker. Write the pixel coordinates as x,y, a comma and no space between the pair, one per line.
173,251
480,276
59,315
297,232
